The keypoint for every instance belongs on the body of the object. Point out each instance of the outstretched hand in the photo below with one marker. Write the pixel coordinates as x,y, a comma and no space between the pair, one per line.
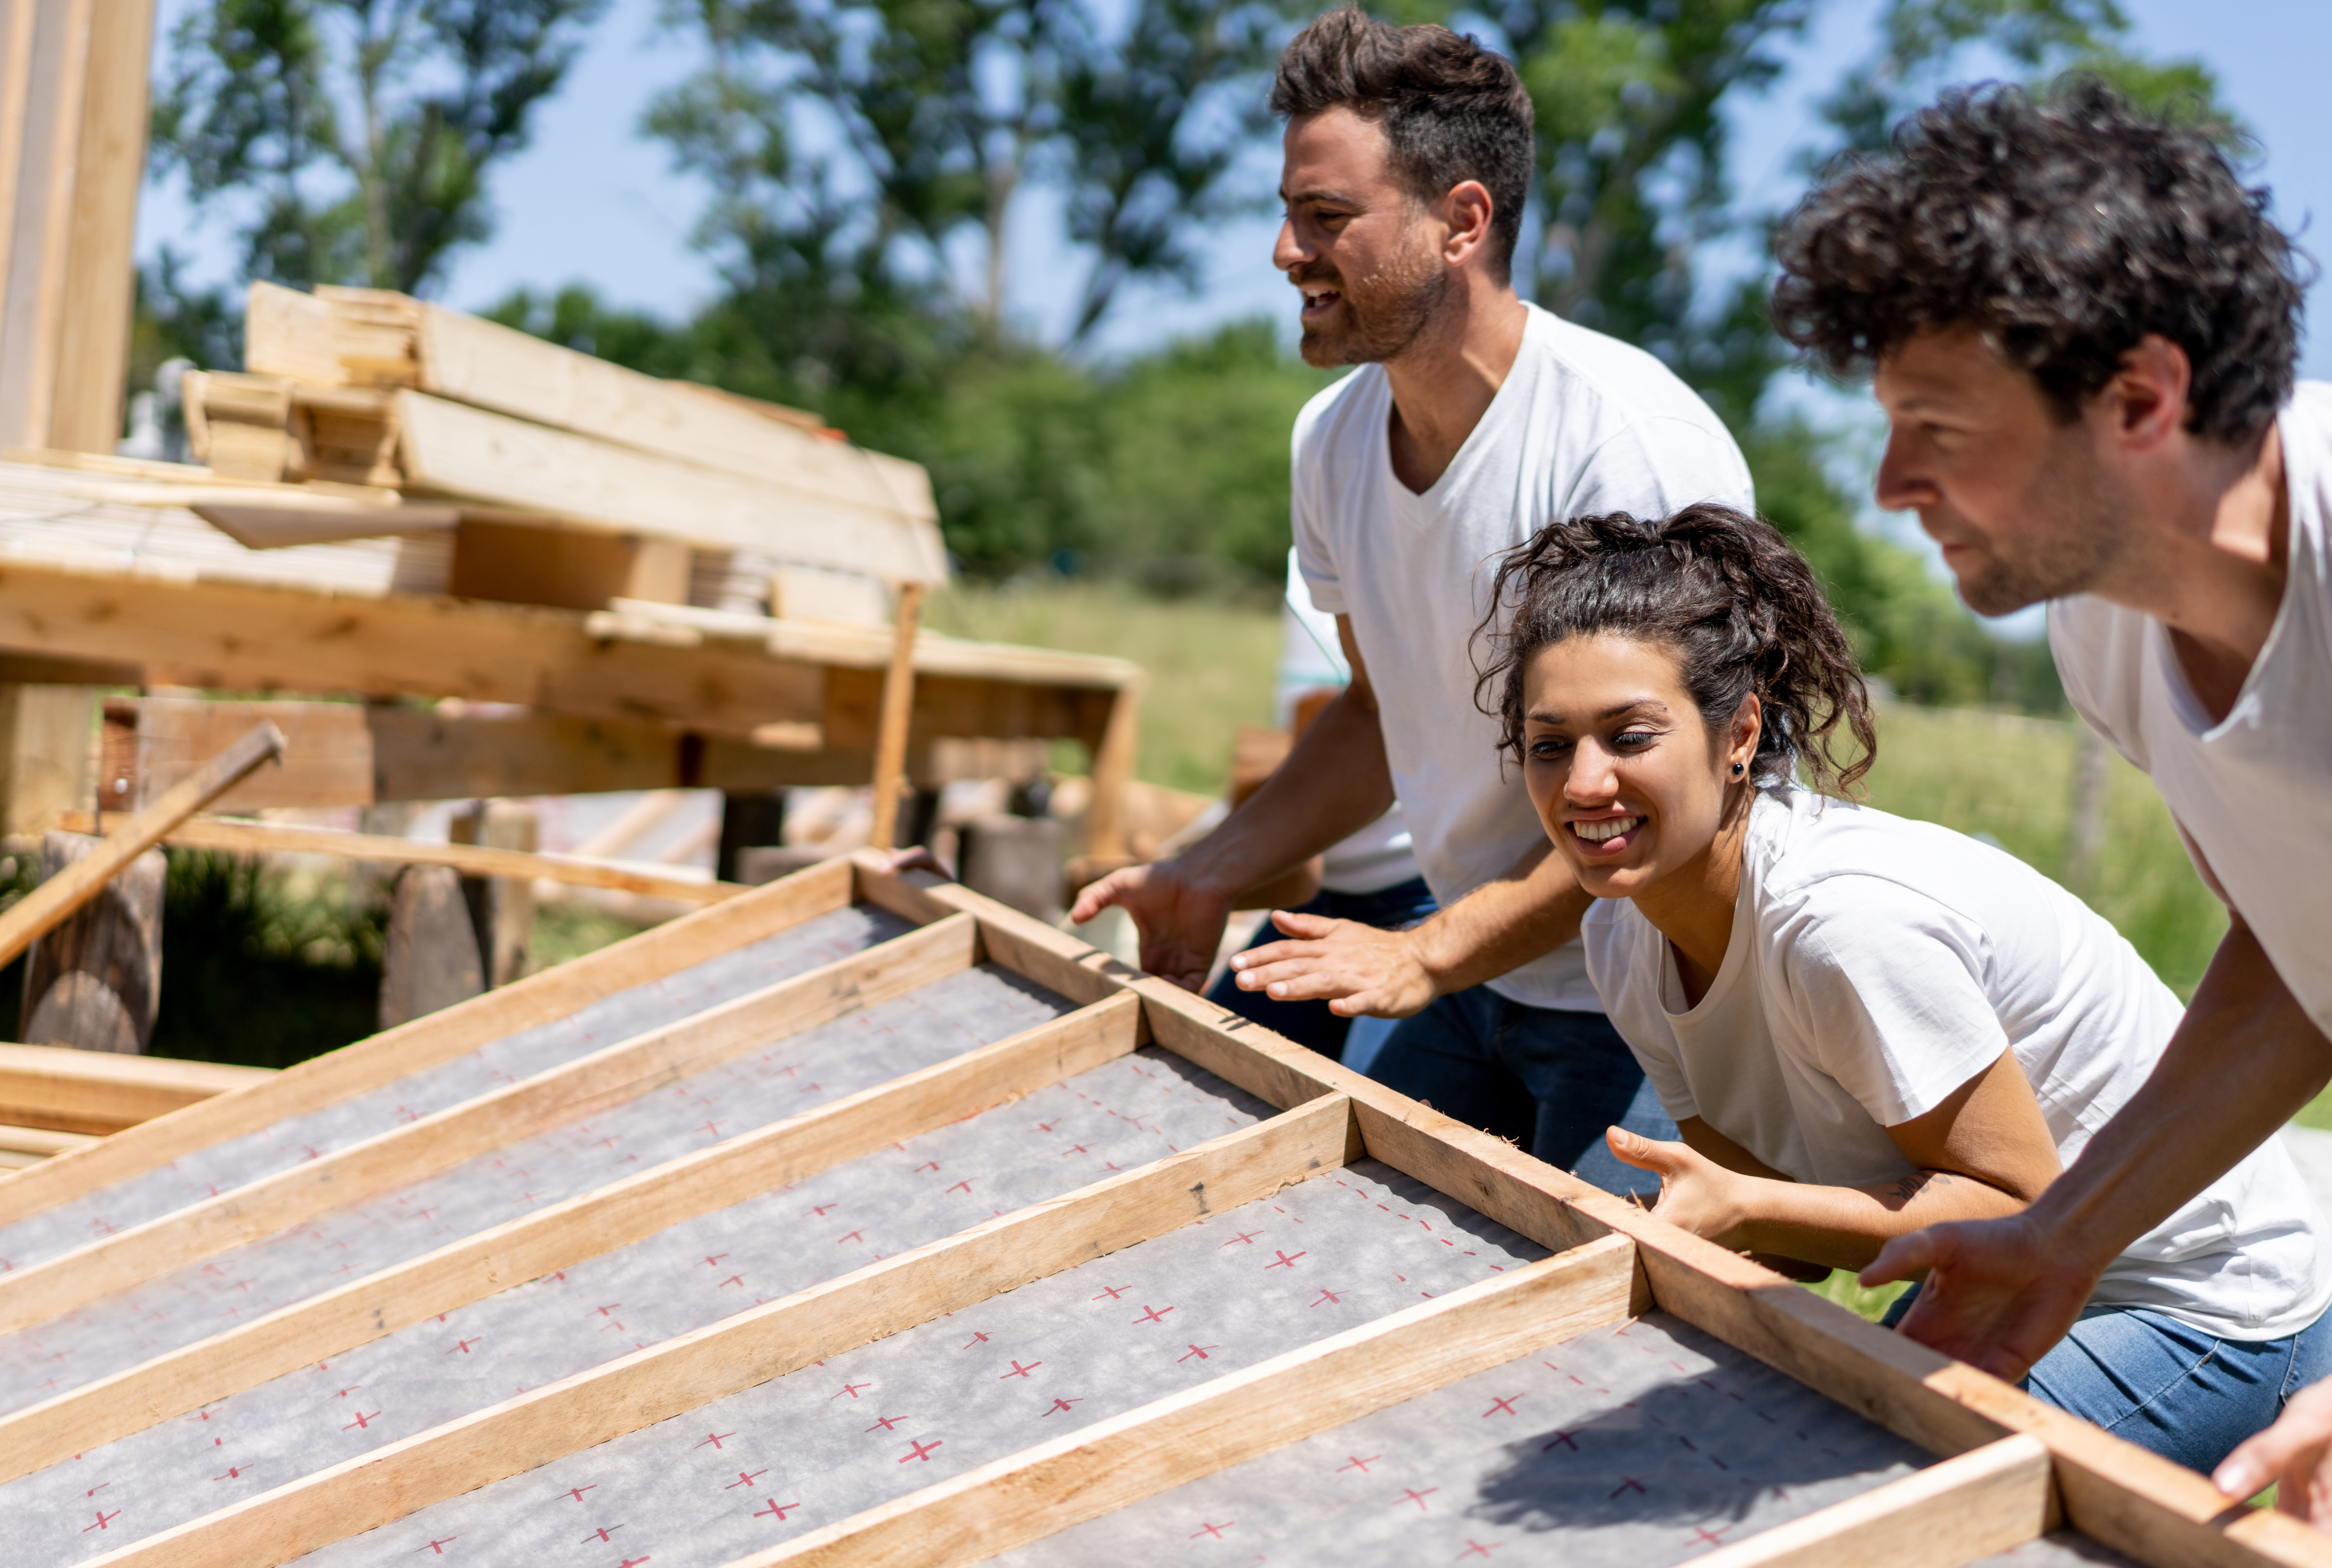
2296,1453
1181,923
1696,1194
1999,1293
1359,971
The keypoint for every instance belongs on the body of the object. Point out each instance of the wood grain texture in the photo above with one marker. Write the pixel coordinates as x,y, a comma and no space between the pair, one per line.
753,1346
609,1075
898,706
94,979
108,166
80,1091
1218,1424
1983,1502
565,1234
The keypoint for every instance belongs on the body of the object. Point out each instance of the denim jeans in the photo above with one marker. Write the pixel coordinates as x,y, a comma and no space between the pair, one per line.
1550,1080
1311,1024
2185,1394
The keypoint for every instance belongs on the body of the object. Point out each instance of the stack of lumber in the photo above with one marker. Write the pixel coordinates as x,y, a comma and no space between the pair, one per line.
439,419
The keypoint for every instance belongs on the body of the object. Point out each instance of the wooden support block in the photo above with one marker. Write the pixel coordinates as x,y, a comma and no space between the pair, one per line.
351,1070
754,1346
1982,1503
80,1091
1238,1416
552,1097
520,564
94,980
327,751
891,732
431,959
47,738
564,1234
501,909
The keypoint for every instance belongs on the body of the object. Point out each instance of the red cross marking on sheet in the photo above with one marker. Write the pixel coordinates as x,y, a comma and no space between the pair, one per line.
819,1213
922,1451
234,1473
1153,1314
963,1186
738,1279
1019,1371
1282,1260
779,1510
1357,1463
93,1491
103,1521
744,1479
1199,1351
715,1260
342,1395
1412,1495
1475,1549
602,1531
885,1424
854,1236
1073,1149
712,1128
1214,1530
850,1388
609,1142
1246,1236
928,1166
1502,1406
437,1546
1113,1291
1714,1537
1628,1482
977,1338
714,1439
1326,1295
604,1311
577,1492
1061,1406
362,1421
1048,1126
1562,1438
462,1345
407,1113
632,1562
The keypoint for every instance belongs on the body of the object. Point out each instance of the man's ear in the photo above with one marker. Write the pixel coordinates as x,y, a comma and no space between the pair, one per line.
2145,402
1467,210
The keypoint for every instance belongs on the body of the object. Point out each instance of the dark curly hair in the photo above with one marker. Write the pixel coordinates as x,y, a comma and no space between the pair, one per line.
2066,230
1452,111
1725,592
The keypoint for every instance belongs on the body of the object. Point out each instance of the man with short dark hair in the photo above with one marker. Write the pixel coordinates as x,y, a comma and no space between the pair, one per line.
2082,328
1473,420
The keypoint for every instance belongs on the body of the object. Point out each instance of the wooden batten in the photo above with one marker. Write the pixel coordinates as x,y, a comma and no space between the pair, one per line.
609,1075
748,1349
1220,1423
564,1234
70,1091
426,1042
1980,1504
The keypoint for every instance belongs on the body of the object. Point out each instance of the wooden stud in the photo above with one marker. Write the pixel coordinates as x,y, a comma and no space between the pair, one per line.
23,1146
61,895
1983,1502
108,166
743,1351
565,1234
609,1075
424,1043
80,1091
1085,1474
898,701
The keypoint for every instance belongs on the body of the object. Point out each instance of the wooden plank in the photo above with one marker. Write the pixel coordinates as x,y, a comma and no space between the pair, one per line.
41,1142
44,753
492,367
453,449
367,1065
564,1235
891,734
327,751
46,905
1983,1502
1077,970
110,163
249,838
1200,1430
530,564
753,1346
552,1097
83,1091
32,312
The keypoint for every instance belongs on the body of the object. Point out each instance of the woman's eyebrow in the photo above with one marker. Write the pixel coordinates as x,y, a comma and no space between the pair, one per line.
1648,705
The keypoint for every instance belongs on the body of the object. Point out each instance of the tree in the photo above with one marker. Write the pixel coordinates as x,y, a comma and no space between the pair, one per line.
365,129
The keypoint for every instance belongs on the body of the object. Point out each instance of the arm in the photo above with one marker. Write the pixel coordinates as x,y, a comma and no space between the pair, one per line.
1535,907
1985,1151
1333,785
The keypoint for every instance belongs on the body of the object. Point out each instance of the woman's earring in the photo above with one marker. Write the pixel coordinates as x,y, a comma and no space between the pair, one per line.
1736,770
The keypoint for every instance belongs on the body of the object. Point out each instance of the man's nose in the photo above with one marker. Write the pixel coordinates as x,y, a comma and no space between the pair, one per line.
1901,485
1288,251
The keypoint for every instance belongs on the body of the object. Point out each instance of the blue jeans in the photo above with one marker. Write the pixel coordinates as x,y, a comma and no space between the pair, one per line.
1550,1080
1311,1024
2187,1394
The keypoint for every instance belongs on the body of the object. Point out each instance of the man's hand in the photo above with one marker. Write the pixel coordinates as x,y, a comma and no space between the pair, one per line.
2296,1453
1999,1293
1358,970
1696,1194
1182,922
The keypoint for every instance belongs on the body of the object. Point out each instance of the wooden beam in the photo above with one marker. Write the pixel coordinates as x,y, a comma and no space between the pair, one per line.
353,1069
891,734
250,838
749,1348
565,1234
1982,1503
42,908
46,144
21,1146
1085,1474
552,1097
85,1091
449,449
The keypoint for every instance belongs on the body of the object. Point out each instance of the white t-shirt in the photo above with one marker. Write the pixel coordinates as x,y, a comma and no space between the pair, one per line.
1875,964
1378,855
1583,424
2254,790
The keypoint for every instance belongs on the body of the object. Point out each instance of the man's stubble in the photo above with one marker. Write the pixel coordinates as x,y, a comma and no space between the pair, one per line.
1382,314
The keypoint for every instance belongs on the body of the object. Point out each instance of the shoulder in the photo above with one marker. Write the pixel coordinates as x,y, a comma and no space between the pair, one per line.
1841,882
1335,412
1644,430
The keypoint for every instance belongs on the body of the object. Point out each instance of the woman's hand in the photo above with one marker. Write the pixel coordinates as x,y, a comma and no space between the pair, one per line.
1358,970
1696,1194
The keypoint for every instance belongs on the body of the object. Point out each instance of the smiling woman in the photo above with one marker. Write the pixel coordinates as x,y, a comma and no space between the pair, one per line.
1862,1025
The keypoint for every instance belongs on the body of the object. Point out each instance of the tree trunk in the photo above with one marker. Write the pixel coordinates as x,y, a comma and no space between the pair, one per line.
95,981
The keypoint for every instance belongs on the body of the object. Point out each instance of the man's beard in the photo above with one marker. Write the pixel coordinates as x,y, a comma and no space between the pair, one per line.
2070,555
1381,315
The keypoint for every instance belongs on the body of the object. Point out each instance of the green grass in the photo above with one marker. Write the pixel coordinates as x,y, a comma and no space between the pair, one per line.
1843,1287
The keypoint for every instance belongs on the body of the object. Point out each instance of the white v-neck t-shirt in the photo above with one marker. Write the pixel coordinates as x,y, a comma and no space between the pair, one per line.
2254,789
1875,964
1582,424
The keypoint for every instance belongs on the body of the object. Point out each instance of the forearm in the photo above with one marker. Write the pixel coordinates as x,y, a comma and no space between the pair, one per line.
2245,1059
1333,785
1534,908
1845,1227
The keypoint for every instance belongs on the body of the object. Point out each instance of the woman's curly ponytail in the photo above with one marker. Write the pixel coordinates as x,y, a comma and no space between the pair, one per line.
1725,591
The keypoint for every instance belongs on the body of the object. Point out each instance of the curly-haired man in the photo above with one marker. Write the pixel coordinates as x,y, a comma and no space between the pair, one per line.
2082,328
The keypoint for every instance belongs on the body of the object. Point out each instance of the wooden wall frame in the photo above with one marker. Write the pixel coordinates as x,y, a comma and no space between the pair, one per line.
2012,1469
